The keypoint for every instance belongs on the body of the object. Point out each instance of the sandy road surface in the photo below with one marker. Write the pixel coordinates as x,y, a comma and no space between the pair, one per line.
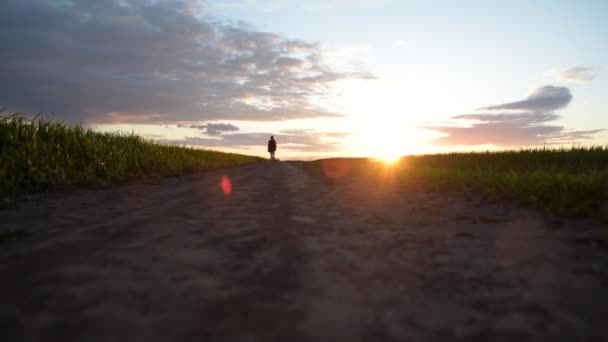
287,256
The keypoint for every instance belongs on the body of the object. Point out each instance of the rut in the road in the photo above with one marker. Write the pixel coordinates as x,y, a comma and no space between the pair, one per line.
265,256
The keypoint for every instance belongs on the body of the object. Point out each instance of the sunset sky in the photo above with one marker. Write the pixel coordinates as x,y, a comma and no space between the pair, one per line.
326,78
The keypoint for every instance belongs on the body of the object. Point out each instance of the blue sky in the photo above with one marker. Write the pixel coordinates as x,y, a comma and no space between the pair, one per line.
327,78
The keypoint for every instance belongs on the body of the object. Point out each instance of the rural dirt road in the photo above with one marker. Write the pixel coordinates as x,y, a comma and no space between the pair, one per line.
288,255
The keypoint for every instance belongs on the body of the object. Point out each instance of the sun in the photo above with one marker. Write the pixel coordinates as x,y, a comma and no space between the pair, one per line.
389,158
385,144
387,149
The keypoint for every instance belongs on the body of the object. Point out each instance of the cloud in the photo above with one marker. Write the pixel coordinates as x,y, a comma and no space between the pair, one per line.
546,98
293,140
349,58
401,43
513,118
578,74
214,129
509,134
516,123
164,60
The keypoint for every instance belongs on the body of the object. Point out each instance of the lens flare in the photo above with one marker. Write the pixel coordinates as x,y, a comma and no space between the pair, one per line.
226,185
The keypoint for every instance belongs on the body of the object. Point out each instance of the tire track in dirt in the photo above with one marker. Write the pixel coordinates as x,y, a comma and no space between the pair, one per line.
346,286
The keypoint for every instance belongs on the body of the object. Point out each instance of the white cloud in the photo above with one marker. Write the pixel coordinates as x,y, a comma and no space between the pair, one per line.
578,74
348,59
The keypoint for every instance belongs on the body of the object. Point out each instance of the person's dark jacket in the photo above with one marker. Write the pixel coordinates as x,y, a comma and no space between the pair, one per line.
272,145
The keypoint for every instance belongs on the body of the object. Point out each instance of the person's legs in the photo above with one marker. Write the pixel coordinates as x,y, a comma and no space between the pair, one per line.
272,155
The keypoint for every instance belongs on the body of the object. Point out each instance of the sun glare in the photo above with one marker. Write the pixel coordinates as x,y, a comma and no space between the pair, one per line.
389,159
386,147
383,143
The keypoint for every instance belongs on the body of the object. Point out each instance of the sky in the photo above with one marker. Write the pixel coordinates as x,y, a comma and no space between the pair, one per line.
326,78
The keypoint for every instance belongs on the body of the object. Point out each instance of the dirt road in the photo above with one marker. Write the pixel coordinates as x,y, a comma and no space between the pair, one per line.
278,254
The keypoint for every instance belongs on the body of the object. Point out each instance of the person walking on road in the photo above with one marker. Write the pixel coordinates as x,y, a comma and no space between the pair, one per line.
272,147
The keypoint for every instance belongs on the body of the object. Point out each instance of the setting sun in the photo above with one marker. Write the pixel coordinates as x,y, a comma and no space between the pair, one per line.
387,147
385,141
390,159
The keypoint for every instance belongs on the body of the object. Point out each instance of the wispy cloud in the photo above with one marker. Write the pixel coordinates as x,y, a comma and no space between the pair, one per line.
348,59
162,60
213,128
517,123
578,74
401,43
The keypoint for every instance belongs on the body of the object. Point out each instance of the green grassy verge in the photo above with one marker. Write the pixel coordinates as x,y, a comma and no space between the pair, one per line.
569,182
38,155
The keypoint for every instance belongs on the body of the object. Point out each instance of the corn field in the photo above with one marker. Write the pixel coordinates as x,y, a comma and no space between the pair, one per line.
39,155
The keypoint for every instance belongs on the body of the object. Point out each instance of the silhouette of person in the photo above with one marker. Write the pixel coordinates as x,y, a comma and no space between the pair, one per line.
272,147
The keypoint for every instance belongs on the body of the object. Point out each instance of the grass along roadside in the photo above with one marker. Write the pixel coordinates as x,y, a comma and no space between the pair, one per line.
568,182
38,155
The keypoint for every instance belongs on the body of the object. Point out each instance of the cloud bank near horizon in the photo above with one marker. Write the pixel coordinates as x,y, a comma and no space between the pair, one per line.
154,61
516,123
299,140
